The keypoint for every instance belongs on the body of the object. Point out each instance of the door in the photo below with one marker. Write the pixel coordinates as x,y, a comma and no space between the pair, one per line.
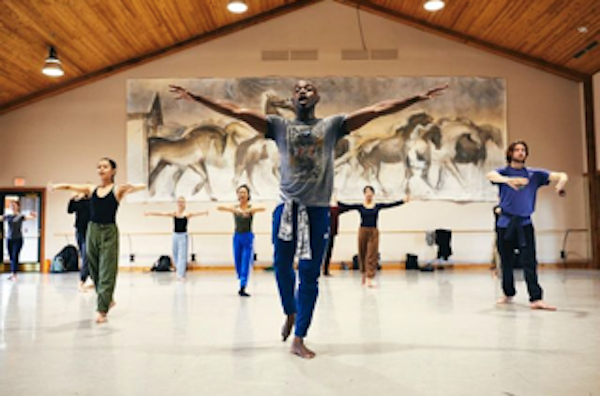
32,252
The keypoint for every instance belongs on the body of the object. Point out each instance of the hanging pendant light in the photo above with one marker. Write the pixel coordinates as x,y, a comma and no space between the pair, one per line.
434,5
237,6
52,67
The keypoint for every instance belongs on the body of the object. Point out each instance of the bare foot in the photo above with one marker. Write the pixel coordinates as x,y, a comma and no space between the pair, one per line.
180,279
101,318
12,277
364,279
371,283
298,348
82,288
111,305
286,330
539,304
504,300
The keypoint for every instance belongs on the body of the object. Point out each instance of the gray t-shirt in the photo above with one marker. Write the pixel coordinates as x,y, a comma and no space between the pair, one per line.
15,224
306,157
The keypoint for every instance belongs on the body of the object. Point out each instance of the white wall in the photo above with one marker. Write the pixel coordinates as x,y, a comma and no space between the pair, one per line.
61,138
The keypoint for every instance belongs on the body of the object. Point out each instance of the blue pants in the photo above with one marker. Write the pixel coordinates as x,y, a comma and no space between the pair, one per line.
14,250
84,271
301,301
243,254
180,252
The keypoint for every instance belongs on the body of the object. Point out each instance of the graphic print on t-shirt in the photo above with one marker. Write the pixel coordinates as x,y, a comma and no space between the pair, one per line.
305,145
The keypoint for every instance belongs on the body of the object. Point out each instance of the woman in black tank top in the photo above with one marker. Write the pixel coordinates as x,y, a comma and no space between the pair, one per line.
243,239
102,239
180,234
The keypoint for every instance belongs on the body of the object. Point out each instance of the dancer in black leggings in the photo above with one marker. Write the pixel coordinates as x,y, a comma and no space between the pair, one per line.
14,237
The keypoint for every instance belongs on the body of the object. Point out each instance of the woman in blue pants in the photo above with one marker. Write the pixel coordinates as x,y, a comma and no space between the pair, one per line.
243,239
180,234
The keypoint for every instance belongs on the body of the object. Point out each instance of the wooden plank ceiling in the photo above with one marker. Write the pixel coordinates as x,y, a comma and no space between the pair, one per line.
95,38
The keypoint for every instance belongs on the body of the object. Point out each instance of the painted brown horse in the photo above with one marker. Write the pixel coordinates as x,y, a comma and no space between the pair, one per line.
197,147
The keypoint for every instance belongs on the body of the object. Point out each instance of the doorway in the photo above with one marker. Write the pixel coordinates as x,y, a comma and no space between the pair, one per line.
32,253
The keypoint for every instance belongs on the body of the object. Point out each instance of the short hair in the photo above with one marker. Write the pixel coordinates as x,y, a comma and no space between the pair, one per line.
511,149
369,188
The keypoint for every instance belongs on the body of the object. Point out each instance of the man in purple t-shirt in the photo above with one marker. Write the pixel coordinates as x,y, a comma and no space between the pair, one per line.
518,187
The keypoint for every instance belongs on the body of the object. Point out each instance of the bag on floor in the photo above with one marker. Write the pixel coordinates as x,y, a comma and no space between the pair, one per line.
58,265
70,258
355,263
163,264
412,262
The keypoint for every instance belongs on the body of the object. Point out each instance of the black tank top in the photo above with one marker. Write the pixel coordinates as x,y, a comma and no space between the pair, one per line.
103,210
180,224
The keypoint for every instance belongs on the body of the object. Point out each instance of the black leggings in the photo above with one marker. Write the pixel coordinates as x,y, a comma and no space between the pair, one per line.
328,253
527,258
14,250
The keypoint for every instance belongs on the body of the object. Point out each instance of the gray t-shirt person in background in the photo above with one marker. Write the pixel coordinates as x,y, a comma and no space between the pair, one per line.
15,226
14,235
306,145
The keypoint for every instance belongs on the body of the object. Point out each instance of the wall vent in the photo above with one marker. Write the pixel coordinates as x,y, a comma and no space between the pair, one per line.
349,54
304,55
275,55
384,54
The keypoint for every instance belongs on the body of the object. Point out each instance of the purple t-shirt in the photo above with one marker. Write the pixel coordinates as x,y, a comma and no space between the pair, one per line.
520,202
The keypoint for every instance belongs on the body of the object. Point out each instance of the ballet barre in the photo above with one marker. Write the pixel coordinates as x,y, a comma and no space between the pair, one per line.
348,232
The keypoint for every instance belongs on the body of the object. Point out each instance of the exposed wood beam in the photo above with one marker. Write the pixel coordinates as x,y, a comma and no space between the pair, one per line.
592,172
128,64
466,39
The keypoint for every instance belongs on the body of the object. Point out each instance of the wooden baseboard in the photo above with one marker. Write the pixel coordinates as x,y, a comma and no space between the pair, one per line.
385,267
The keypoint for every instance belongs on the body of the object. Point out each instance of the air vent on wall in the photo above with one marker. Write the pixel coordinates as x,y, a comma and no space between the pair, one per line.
275,55
355,55
304,55
376,54
285,55
384,54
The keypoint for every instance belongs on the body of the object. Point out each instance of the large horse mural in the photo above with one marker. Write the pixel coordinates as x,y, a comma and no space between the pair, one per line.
440,150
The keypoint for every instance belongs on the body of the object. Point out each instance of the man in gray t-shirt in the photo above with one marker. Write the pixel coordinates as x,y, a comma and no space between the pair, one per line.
306,157
301,221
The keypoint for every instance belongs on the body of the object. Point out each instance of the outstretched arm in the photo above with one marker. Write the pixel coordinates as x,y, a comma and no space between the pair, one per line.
256,210
128,188
254,119
391,204
229,209
515,183
195,214
30,216
162,214
361,117
80,188
561,179
343,207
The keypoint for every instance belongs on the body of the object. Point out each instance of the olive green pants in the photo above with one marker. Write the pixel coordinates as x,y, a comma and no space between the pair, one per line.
102,248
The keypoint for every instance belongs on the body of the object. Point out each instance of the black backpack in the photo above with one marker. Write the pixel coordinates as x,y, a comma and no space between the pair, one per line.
70,258
163,264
